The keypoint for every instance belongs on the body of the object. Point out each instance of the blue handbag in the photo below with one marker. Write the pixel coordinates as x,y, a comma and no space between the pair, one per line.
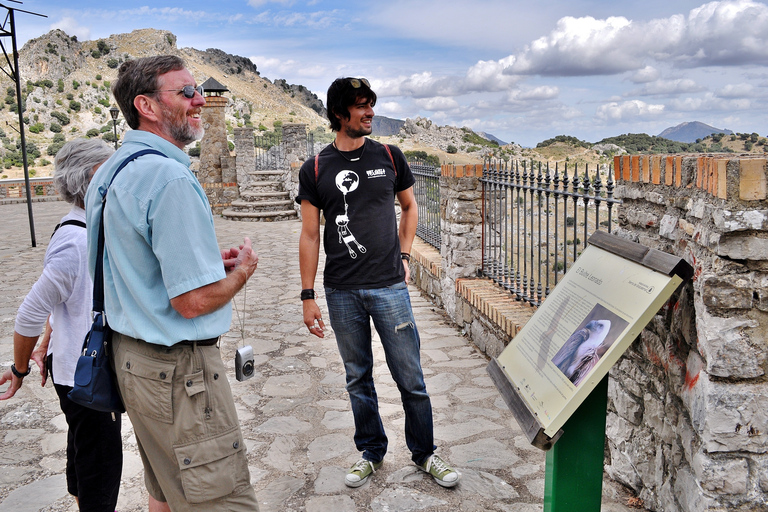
95,384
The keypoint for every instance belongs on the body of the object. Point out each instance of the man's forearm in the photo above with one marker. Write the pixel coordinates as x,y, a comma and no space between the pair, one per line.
309,256
409,220
211,297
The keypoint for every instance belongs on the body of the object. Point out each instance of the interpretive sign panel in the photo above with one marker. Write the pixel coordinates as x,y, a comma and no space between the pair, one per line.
602,304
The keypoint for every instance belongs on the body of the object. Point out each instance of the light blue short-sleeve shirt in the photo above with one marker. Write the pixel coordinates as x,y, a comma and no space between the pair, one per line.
159,243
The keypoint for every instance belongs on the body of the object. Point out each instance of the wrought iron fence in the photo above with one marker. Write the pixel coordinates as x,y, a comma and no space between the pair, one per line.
269,151
536,222
427,192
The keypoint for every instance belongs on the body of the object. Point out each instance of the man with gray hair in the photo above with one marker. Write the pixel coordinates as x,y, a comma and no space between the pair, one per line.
64,293
167,291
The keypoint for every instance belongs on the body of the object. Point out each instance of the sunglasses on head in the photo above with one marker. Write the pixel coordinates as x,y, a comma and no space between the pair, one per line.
356,82
188,91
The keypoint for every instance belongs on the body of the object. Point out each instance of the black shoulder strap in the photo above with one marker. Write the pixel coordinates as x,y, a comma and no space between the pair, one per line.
98,274
70,222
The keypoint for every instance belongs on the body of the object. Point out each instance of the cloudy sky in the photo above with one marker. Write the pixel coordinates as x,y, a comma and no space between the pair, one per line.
523,71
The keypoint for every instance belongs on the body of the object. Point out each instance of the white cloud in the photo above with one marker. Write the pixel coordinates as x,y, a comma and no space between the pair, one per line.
389,108
645,75
668,87
437,103
736,91
259,3
709,102
629,110
726,33
544,92
73,28
271,67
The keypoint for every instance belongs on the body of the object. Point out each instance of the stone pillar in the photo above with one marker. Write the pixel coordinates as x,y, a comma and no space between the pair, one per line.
246,156
294,143
214,153
461,207
295,153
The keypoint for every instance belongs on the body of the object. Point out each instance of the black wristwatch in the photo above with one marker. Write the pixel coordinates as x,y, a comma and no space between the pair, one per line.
18,374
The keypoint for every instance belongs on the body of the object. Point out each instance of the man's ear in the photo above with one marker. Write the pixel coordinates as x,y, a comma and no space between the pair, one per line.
146,107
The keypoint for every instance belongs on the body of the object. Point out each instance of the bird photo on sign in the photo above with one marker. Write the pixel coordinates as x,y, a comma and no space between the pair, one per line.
589,342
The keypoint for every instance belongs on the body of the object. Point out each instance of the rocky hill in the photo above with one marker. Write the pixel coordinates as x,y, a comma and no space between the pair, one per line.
66,92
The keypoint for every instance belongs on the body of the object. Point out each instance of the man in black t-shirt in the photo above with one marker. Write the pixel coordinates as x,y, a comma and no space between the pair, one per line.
354,181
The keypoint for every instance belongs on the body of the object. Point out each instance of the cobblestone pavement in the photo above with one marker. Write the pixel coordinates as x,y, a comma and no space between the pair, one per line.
294,413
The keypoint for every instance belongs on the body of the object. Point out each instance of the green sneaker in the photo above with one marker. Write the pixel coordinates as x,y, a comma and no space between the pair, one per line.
443,474
359,473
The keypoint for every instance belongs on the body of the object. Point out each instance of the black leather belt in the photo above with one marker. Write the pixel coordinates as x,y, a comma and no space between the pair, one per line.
200,343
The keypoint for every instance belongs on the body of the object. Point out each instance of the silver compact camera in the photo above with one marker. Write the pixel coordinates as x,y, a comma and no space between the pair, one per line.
244,363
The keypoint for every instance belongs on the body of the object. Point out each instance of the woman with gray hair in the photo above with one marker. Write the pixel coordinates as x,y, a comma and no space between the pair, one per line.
63,296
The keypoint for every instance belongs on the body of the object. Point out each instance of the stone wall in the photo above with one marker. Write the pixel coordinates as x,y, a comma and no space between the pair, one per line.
15,189
688,403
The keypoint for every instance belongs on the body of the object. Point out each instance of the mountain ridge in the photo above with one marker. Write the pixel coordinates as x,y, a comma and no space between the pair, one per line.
691,131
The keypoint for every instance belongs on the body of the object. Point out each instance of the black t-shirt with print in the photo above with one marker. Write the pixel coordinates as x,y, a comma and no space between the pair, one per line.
357,197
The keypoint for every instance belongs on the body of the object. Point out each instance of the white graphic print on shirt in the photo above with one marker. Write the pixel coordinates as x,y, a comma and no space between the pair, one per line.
346,182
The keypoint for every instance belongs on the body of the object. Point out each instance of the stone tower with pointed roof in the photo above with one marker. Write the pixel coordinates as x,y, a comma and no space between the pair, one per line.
217,172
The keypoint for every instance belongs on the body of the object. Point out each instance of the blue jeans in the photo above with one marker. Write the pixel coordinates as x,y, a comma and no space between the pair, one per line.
350,312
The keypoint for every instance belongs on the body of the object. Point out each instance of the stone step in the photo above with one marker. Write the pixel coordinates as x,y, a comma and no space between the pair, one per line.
280,203
265,186
265,175
261,206
250,195
259,216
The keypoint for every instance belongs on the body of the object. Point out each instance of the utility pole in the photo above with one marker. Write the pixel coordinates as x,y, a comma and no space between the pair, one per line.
8,29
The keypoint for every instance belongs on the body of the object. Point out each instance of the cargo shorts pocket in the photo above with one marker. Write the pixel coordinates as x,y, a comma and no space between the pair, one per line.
211,468
149,386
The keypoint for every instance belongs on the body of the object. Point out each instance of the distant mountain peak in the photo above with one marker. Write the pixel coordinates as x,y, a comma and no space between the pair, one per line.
691,131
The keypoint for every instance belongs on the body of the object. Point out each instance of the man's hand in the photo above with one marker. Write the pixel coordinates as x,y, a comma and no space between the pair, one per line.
313,319
243,257
8,376
407,268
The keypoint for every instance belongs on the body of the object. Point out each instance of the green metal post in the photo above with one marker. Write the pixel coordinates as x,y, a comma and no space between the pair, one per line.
574,470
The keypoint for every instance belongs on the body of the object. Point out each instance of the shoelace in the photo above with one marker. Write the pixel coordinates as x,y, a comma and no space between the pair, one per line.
361,466
438,463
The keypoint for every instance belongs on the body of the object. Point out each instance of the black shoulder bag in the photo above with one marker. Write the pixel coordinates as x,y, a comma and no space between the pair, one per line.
95,384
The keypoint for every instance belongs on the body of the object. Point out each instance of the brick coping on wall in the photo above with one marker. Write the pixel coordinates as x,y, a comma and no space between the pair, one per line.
745,179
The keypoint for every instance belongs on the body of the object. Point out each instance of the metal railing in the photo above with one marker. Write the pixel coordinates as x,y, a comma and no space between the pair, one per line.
427,192
536,223
269,151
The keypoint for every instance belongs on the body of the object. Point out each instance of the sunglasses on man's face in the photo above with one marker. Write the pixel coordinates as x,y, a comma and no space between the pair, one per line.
356,82
188,91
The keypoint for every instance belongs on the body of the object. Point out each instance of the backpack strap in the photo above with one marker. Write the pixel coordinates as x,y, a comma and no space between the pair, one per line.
70,222
389,152
317,165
